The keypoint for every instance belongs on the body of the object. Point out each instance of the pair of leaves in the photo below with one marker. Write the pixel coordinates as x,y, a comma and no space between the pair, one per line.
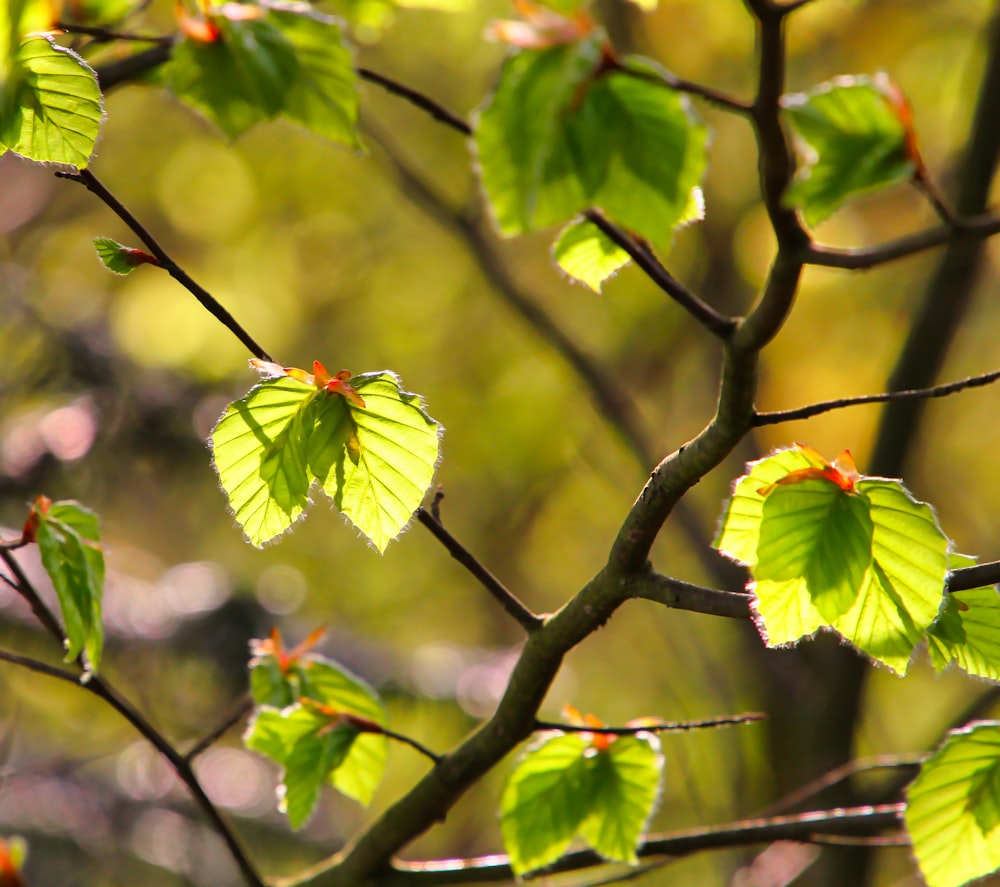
248,63
50,103
569,128
856,135
568,785
320,723
828,549
68,537
373,455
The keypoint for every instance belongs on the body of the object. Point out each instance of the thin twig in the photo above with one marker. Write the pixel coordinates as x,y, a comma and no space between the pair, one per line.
926,185
418,99
704,313
506,598
103,35
99,686
978,576
40,667
863,258
244,707
86,178
679,84
412,743
826,406
807,827
654,727
680,595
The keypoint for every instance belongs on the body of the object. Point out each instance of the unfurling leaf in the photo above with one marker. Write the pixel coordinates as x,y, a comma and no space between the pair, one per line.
569,128
600,788
953,808
856,135
68,537
367,443
121,259
828,547
318,721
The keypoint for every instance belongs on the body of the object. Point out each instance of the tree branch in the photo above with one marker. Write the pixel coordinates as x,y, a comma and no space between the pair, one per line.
680,595
844,822
662,727
243,708
776,416
417,99
86,178
965,230
97,685
506,598
702,312
678,84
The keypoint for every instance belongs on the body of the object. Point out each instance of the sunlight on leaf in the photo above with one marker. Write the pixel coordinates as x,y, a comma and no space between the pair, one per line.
968,630
953,809
53,108
587,254
825,548
854,137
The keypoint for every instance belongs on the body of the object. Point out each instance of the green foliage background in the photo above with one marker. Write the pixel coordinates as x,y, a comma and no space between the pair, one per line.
320,253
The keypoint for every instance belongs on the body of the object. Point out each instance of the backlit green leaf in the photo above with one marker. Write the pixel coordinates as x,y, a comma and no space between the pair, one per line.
308,745
68,537
564,787
323,97
968,631
587,254
853,135
625,779
558,137
239,79
953,809
376,462
51,108
870,562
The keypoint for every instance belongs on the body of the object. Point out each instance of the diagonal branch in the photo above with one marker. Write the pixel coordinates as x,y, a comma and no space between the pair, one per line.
506,598
100,687
701,311
826,406
651,727
847,822
86,178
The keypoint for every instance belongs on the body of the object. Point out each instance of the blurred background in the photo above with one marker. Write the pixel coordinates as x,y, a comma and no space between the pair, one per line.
385,259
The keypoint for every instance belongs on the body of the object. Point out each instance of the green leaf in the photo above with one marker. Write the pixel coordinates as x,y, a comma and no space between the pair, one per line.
565,787
376,462
330,684
259,448
239,79
68,537
870,563
968,633
309,745
118,258
558,137
587,254
953,808
853,133
323,97
625,779
52,107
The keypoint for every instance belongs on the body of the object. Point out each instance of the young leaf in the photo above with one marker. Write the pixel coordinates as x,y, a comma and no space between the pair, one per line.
856,137
309,745
953,807
368,443
587,254
53,108
828,548
323,97
68,537
237,75
278,679
120,259
968,633
562,134
568,785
